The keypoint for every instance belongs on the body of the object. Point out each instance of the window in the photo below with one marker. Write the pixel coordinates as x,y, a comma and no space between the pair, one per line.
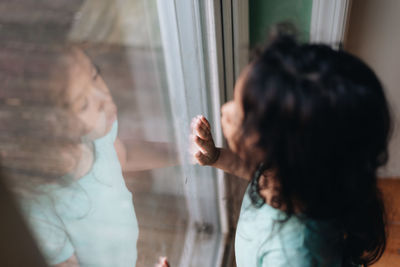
162,62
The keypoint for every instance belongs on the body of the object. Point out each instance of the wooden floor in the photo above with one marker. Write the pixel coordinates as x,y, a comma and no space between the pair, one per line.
391,193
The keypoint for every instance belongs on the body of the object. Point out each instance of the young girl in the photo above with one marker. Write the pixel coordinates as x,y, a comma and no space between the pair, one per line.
57,141
308,127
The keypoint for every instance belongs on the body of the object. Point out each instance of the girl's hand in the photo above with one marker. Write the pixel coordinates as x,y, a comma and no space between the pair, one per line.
203,147
162,262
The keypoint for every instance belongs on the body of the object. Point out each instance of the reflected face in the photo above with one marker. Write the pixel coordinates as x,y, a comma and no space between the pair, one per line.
232,113
88,96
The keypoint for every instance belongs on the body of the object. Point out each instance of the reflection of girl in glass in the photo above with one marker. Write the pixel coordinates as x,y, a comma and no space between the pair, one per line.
308,127
57,140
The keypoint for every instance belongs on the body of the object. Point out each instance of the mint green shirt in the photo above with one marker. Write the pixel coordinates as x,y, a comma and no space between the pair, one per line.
261,241
93,217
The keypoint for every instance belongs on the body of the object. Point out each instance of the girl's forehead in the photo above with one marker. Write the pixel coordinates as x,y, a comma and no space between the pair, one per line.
70,65
76,61
78,73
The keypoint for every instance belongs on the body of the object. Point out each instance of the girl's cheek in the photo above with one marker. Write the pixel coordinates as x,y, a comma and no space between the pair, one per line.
90,118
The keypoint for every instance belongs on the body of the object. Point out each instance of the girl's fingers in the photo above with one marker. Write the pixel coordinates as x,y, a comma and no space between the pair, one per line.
201,144
201,158
203,131
201,120
205,121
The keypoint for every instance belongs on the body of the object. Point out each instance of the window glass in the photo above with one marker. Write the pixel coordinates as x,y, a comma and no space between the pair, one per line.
93,131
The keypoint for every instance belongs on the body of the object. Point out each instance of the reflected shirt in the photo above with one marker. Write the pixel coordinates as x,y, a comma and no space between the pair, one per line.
93,217
262,241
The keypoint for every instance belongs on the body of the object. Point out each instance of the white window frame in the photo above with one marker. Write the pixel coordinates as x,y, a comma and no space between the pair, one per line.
210,38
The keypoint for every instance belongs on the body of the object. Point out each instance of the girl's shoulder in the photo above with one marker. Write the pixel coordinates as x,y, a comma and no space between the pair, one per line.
269,225
271,234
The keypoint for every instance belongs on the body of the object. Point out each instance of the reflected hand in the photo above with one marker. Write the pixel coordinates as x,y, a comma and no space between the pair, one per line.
205,153
162,262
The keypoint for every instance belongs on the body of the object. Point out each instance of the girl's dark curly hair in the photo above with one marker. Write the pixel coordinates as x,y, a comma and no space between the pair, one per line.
324,125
